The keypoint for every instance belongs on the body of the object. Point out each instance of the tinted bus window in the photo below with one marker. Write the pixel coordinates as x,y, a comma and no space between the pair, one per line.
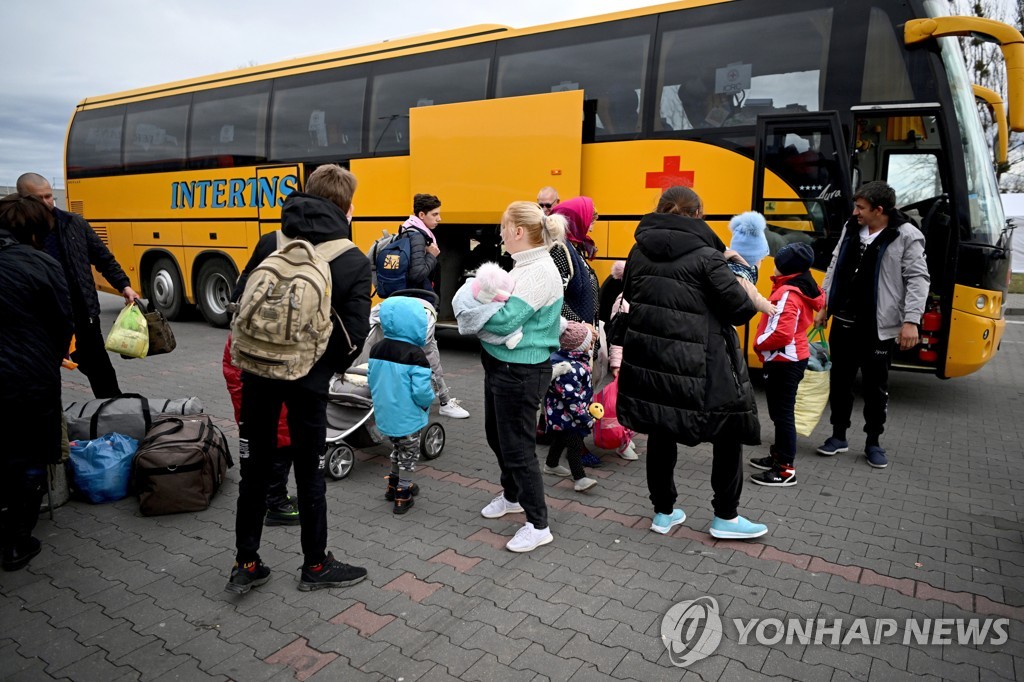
608,63
229,126
421,82
155,134
317,115
726,74
94,145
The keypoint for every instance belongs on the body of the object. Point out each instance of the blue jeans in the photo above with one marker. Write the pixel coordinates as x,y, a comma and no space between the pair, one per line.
512,395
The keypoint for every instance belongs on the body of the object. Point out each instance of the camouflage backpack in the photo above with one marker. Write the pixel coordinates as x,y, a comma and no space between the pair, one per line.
283,320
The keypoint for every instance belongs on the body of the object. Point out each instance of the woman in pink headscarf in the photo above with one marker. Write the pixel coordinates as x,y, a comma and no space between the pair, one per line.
580,280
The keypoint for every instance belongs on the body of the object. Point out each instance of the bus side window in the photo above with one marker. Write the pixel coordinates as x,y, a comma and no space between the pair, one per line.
318,114
94,144
155,134
229,126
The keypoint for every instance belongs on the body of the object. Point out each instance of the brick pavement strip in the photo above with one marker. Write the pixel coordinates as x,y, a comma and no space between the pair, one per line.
115,594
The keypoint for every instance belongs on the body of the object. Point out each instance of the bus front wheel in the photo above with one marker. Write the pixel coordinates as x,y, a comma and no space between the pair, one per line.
216,281
165,289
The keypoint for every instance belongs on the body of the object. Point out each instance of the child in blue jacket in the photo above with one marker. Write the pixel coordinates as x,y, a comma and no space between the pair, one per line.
399,378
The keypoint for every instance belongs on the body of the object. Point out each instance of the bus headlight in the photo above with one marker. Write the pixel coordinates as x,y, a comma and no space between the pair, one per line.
981,302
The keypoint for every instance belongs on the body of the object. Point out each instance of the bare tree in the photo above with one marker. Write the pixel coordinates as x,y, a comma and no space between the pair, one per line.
986,67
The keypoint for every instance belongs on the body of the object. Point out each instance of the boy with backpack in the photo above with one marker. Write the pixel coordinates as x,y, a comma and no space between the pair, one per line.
399,378
781,340
303,317
407,260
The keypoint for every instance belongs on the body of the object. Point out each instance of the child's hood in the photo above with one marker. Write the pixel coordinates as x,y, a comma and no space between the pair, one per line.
801,282
404,319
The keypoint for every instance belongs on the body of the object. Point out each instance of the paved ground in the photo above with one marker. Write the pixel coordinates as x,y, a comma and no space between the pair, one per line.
115,595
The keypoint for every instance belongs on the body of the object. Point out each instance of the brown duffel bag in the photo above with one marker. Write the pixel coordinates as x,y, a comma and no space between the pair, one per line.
180,464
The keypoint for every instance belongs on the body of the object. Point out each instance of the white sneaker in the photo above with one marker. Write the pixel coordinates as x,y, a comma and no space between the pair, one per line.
529,538
453,409
556,471
629,452
499,506
584,484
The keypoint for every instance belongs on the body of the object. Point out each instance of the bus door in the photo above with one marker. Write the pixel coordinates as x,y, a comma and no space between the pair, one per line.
801,184
275,183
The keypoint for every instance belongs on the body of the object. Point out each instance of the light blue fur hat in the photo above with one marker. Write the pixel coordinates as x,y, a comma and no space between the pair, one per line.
748,236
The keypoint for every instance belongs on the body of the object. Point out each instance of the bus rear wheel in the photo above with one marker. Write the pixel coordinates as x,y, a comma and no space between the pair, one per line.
213,294
165,289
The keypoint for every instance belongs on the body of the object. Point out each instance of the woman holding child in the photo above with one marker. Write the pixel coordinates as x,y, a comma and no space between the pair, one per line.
683,378
516,378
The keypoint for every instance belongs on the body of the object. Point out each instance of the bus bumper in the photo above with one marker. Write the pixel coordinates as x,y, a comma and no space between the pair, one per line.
973,341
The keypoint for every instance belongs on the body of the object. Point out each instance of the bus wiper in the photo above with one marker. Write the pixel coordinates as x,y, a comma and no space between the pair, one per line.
391,119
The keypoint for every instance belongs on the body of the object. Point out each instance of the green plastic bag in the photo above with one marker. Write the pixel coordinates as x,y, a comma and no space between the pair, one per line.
129,335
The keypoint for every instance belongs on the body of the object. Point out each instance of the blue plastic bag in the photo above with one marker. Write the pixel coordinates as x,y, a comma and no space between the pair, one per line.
102,467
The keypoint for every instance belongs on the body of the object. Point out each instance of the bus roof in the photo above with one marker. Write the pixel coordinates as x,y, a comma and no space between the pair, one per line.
366,53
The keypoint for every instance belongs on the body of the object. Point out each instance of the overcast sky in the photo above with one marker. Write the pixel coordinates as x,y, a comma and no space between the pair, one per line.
56,54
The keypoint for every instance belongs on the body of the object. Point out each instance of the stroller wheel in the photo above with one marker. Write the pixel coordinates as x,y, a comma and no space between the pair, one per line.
340,459
432,441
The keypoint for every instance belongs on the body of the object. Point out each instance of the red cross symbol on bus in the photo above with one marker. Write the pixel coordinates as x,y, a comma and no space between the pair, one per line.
670,175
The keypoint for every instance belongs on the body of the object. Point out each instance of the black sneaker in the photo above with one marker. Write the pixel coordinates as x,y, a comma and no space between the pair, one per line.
283,513
18,556
246,576
763,463
776,477
330,573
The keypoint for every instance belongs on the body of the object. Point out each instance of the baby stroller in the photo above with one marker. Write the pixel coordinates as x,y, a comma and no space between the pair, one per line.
350,422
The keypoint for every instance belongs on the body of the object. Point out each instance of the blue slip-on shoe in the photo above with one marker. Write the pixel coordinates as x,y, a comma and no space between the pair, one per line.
737,529
833,446
663,523
876,456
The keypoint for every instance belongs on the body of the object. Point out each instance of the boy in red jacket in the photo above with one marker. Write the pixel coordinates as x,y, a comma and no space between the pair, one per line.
781,340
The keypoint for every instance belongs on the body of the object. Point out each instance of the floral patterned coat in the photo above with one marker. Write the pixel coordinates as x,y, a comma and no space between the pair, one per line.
567,402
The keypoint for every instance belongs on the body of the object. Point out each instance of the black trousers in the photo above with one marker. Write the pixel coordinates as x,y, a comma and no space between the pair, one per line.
280,467
780,383
856,347
572,443
726,474
307,423
512,395
32,438
93,359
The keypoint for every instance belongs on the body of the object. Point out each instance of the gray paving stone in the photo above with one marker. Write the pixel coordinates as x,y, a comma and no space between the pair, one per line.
488,668
152,659
603,657
96,667
455,659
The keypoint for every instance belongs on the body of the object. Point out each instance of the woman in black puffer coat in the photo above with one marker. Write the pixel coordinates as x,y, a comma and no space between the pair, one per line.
683,377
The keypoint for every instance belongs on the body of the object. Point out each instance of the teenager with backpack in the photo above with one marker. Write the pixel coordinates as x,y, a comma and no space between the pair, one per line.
317,259
407,261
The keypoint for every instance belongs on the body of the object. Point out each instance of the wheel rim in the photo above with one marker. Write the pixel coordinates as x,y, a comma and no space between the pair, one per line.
163,289
434,440
341,461
217,294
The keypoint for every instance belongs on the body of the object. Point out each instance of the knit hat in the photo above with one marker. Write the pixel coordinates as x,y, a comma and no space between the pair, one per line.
748,236
575,336
793,258
618,268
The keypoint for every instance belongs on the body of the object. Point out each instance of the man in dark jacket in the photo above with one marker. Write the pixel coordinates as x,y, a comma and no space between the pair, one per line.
320,214
75,245
35,332
683,378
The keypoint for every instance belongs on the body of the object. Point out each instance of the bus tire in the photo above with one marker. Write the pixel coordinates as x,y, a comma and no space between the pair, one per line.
213,292
165,288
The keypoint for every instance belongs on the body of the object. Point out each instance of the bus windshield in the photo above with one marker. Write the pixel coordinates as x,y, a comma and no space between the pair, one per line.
984,205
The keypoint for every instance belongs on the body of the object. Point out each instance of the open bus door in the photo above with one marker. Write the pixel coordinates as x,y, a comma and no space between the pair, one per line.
801,185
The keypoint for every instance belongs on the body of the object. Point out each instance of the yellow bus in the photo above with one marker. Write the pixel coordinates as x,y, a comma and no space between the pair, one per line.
779,106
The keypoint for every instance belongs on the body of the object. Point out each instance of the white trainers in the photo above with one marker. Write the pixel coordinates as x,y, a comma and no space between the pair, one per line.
453,409
629,452
556,471
529,538
584,484
499,506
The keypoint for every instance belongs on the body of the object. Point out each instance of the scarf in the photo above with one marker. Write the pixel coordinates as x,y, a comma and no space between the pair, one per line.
579,214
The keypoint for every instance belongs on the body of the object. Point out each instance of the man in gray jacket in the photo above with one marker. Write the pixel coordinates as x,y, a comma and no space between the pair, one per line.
876,287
